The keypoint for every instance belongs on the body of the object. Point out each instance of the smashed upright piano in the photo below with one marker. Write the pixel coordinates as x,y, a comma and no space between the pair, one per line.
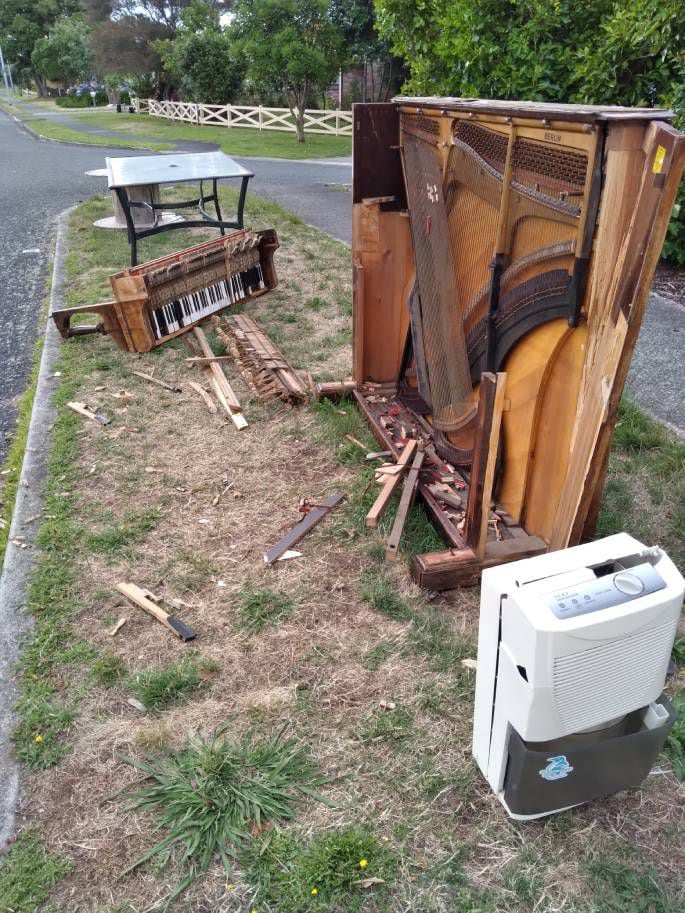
503,254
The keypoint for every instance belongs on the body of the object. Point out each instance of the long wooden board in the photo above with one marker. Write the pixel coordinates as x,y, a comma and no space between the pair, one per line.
389,486
315,515
408,494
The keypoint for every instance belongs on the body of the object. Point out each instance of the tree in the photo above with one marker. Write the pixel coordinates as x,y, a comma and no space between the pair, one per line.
201,59
607,51
356,22
290,47
65,53
22,24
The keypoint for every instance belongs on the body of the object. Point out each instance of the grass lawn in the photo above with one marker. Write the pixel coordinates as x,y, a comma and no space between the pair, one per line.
51,129
160,134
311,749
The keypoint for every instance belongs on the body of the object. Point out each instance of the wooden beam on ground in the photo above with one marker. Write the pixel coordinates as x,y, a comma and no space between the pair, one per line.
334,390
315,515
389,486
490,407
408,493
148,602
461,567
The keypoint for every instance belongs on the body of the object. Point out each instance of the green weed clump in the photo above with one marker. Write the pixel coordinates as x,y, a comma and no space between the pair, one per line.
108,670
168,686
379,592
392,726
675,744
27,873
619,888
210,795
342,870
261,607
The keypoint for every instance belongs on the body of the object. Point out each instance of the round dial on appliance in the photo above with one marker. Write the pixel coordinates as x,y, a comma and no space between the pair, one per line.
628,583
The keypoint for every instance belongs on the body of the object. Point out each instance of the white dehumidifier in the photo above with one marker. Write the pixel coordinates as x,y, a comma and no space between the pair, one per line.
573,650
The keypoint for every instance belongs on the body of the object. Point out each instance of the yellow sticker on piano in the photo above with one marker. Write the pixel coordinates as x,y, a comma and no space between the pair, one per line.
658,163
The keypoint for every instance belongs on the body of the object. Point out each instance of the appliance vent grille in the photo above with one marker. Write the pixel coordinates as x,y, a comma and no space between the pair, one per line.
607,681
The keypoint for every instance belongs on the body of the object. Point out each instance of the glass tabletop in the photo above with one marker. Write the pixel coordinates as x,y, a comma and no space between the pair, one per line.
134,170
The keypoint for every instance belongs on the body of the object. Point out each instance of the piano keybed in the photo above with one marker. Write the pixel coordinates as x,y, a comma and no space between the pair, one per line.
161,299
188,309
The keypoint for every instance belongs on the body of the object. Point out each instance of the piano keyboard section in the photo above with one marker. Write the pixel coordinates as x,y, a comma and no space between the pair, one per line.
188,309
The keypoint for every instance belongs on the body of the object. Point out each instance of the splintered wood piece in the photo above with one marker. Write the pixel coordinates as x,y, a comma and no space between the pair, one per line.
315,515
147,601
215,368
408,492
440,492
83,410
484,458
359,444
207,399
118,626
389,486
155,380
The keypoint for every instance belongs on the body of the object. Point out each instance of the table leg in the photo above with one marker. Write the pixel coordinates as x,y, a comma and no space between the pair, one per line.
215,191
130,227
241,201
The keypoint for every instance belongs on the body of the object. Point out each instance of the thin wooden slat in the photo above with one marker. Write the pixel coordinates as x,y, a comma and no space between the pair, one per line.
315,515
147,601
389,487
476,508
408,493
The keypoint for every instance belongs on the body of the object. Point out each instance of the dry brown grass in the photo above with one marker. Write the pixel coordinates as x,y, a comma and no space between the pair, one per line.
310,671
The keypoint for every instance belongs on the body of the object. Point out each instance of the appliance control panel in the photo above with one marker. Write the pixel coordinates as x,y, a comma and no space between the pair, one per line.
604,592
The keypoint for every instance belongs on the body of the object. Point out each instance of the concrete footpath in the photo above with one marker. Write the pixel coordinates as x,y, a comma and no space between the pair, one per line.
15,623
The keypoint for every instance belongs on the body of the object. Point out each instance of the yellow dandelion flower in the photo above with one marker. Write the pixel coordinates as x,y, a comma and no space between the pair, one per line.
315,891
363,863
39,739
229,886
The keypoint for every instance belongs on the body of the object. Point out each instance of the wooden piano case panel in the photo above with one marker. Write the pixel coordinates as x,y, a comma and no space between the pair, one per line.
548,220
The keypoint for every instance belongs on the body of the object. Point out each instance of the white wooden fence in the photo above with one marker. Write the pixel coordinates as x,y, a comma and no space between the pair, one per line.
337,123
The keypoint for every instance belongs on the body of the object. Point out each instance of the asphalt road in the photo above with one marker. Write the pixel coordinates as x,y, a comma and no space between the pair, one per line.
39,179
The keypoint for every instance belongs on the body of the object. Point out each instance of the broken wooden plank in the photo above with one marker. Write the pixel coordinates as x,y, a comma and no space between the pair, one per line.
389,486
83,410
219,377
237,418
207,399
408,492
484,458
155,380
148,602
315,515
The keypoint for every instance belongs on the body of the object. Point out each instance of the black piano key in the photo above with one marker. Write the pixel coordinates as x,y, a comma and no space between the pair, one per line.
161,321
178,313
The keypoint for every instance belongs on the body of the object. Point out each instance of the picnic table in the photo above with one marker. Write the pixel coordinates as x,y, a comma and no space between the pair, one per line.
136,181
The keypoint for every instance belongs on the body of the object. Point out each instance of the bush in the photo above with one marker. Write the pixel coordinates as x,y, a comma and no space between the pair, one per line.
74,101
125,98
674,245
83,100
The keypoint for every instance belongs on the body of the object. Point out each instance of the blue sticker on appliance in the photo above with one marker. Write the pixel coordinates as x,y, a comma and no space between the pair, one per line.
557,768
